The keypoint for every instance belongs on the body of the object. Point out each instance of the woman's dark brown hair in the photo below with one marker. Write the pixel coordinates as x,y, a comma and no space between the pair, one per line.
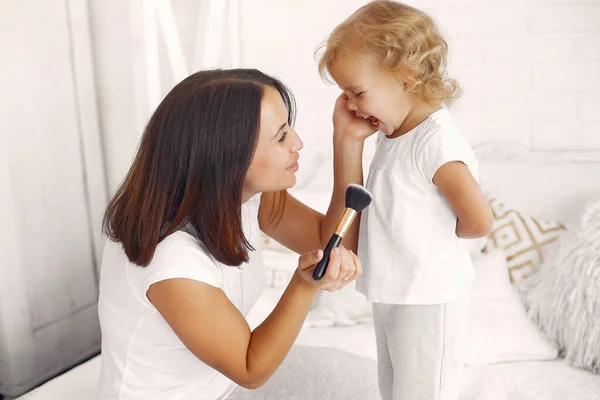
191,164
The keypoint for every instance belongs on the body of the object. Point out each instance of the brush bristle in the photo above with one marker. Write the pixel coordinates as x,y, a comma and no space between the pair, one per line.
357,197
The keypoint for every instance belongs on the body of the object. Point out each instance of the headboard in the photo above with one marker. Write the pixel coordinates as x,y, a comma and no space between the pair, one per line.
550,184
545,184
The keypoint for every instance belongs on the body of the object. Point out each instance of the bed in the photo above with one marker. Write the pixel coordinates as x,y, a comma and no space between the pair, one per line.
543,380
547,184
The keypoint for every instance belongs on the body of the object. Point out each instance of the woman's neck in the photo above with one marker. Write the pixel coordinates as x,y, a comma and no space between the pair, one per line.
246,195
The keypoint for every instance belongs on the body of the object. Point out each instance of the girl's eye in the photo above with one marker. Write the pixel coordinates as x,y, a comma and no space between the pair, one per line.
283,137
359,94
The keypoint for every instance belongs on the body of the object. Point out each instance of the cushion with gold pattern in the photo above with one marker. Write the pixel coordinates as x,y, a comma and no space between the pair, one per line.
522,237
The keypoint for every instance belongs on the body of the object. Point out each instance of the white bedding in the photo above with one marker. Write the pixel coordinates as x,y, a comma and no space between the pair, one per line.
541,380
545,380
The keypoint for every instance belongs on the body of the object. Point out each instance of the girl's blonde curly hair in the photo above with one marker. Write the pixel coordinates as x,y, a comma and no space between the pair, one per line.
404,39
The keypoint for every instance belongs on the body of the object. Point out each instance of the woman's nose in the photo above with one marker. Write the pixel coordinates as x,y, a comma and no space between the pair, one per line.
297,145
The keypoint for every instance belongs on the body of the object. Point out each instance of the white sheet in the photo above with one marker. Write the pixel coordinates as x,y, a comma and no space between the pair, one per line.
544,380
539,380
78,383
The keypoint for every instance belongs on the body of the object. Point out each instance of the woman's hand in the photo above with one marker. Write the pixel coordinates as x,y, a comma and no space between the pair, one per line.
344,267
347,125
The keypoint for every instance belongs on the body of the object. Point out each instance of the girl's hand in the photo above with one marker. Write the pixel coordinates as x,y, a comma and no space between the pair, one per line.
347,125
344,267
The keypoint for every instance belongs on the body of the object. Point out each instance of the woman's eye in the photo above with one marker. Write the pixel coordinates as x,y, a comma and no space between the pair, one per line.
283,137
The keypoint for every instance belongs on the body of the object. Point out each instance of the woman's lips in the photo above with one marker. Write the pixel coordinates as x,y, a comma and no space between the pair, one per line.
294,167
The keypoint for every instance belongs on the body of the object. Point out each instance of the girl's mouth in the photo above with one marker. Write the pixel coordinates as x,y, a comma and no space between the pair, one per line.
373,120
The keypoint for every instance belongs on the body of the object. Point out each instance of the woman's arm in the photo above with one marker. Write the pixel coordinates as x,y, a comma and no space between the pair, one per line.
298,229
213,329
301,228
455,182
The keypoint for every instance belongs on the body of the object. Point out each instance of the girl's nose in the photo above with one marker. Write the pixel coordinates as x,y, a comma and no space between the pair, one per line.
352,106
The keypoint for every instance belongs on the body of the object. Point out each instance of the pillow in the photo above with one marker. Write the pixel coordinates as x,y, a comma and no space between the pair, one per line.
344,307
280,263
563,298
499,330
475,246
522,238
347,307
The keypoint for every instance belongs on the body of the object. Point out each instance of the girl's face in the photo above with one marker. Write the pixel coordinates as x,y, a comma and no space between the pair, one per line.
275,162
372,92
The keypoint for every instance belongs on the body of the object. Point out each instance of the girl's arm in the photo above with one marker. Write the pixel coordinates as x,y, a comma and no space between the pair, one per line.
455,182
301,228
213,329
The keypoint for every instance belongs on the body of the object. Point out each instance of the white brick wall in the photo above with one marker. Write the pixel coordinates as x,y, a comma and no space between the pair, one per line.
530,69
588,47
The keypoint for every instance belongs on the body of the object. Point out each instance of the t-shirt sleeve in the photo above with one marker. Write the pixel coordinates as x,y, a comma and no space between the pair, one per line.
177,258
441,147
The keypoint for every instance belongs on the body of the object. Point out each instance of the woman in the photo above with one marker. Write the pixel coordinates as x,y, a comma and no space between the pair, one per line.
179,273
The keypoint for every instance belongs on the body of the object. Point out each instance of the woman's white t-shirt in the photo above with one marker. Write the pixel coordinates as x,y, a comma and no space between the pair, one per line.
142,358
407,243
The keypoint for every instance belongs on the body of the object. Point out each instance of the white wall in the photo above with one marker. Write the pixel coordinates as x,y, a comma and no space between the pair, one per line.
530,69
119,38
52,190
113,50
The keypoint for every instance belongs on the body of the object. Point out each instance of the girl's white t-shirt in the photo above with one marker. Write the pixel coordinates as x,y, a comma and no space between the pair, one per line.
408,243
142,358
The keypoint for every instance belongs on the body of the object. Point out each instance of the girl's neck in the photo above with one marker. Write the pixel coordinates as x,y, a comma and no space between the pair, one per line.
416,116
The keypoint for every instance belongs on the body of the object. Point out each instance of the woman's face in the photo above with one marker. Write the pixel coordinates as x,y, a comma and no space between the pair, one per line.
275,162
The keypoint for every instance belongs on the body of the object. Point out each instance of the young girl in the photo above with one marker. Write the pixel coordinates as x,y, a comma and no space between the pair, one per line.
389,60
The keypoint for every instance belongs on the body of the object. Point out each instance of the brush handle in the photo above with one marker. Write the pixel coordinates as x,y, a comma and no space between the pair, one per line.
321,267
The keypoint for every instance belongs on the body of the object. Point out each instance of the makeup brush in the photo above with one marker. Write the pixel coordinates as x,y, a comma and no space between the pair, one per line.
357,199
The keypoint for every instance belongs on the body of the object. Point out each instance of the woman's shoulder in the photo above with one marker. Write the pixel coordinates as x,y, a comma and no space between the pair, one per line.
180,255
179,247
